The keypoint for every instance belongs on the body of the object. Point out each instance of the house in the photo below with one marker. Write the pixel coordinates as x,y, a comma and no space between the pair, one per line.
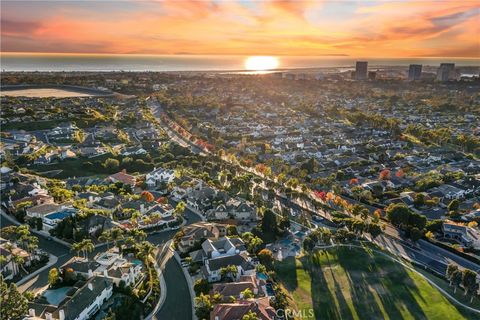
212,268
134,151
67,154
195,233
46,158
7,250
107,202
237,310
119,268
94,225
90,197
218,248
458,233
35,200
82,305
235,208
122,177
41,210
52,219
139,205
450,192
235,289
159,175
160,209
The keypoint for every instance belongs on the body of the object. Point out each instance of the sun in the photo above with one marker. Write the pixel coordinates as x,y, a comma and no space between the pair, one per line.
261,63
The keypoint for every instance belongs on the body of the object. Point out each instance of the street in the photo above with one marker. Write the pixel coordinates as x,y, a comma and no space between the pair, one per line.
177,303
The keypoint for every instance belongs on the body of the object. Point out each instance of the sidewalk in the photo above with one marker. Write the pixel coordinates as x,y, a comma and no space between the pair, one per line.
163,292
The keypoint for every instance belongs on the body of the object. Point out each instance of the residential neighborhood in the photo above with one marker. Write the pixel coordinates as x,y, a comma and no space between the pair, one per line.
179,196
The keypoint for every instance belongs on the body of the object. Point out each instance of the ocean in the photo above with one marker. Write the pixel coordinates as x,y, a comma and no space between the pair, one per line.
133,62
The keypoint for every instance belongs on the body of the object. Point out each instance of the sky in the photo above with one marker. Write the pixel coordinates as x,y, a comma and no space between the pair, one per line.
401,28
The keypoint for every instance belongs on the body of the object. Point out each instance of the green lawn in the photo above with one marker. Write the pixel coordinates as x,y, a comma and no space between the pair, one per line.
355,283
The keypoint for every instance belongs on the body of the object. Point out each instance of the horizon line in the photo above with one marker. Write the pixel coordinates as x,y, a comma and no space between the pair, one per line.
227,54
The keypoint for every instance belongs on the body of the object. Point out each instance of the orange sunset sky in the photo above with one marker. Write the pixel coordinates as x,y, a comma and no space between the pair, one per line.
354,28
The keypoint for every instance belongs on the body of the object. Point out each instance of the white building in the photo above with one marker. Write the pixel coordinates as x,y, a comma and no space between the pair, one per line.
159,175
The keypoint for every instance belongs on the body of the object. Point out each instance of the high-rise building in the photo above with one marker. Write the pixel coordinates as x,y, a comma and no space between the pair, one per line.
361,70
414,72
446,72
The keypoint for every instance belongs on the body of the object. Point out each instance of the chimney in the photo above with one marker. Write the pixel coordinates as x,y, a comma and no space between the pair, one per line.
48,315
31,312
90,286
61,314
90,273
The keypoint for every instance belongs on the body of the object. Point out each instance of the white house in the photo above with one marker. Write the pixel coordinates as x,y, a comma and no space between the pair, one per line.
84,303
159,175
212,268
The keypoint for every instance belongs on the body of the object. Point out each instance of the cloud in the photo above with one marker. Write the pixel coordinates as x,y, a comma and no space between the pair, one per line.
10,27
400,28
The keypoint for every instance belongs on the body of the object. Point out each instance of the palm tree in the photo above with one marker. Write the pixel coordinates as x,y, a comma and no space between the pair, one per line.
106,237
138,235
117,235
87,246
77,248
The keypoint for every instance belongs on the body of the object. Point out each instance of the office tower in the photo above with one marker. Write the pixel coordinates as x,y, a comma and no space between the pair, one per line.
361,70
414,72
446,72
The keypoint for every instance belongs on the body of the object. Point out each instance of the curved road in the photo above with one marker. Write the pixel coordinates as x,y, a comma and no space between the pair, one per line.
177,303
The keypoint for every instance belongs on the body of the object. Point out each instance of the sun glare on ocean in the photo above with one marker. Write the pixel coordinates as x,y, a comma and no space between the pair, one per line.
261,63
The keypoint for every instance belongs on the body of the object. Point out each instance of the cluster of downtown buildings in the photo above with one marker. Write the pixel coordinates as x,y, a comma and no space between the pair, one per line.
445,72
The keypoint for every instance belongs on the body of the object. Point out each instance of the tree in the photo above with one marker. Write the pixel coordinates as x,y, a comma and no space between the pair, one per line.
247,294
232,230
111,165
473,224
147,196
253,242
201,286
13,304
265,257
203,306
469,282
268,224
229,271
117,235
456,280
250,316
179,208
260,268
385,174
415,234
398,214
451,268
53,277
85,246
284,225
453,205
374,229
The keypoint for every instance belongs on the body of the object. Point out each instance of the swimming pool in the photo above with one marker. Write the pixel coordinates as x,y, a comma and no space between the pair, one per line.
262,276
56,296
